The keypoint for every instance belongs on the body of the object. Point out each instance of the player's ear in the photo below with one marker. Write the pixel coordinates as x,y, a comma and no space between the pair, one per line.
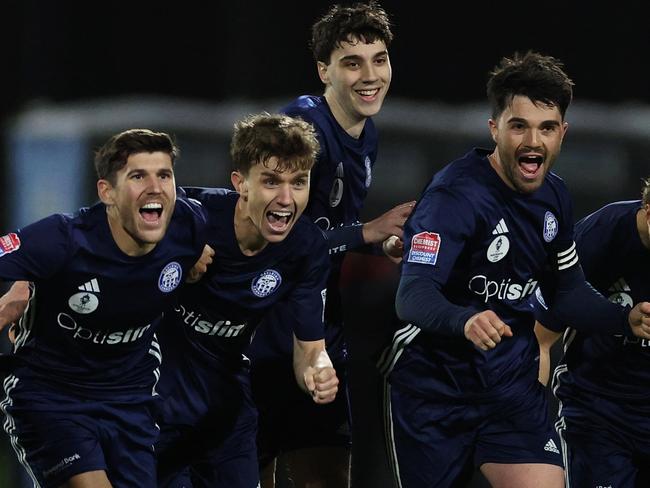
105,192
239,183
322,72
493,129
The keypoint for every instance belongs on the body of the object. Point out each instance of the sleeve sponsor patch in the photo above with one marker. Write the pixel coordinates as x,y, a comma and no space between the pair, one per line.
424,248
9,243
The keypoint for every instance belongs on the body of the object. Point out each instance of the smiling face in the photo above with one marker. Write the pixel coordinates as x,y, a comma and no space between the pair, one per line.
356,80
141,202
270,203
528,139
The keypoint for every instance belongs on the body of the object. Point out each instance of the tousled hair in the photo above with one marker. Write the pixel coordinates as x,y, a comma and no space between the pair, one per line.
361,22
540,78
260,137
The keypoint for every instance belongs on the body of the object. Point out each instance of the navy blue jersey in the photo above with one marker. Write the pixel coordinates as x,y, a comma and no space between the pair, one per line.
485,246
338,185
90,324
615,262
220,313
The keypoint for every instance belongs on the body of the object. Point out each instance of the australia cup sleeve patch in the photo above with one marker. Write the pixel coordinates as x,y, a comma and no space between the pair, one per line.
9,243
424,248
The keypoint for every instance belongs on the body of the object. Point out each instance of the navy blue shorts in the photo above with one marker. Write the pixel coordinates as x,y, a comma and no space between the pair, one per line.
208,421
600,454
436,443
57,435
284,411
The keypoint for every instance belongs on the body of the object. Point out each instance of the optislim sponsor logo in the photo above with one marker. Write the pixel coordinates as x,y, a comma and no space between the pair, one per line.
502,290
79,332
221,328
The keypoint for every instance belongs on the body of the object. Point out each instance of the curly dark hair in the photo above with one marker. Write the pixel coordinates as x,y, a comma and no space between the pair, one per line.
366,22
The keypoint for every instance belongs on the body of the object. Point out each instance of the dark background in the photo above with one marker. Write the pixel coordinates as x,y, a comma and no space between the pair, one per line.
61,52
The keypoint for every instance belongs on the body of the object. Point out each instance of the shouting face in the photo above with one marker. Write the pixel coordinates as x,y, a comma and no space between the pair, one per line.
141,202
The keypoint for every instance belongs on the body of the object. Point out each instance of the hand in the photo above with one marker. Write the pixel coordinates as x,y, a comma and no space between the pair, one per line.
639,320
321,380
201,266
485,330
13,305
393,248
389,224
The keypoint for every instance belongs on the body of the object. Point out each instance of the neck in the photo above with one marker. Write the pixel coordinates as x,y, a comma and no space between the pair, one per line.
249,238
124,241
352,125
496,166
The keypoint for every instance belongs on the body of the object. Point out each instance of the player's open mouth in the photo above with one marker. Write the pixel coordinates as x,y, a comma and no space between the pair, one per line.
151,212
368,95
530,165
279,220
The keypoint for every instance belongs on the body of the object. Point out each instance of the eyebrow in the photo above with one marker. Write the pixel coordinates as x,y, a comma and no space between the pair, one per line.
524,121
355,57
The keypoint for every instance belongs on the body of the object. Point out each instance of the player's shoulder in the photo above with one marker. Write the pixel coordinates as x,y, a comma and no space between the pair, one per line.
611,216
306,235
208,198
312,109
465,174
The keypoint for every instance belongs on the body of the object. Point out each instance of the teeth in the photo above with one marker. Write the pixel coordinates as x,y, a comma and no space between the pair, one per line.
152,206
367,93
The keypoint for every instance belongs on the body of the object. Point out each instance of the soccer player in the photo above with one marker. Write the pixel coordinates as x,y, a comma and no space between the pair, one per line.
601,381
79,396
350,46
490,228
267,255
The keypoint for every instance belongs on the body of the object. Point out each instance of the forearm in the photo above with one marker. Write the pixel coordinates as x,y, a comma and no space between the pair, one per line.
13,303
420,302
346,238
306,356
595,314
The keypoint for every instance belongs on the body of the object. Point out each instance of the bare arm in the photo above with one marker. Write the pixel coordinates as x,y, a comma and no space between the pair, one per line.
546,339
388,224
13,303
314,371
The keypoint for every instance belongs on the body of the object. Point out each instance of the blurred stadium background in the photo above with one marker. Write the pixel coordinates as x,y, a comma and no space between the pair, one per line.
73,75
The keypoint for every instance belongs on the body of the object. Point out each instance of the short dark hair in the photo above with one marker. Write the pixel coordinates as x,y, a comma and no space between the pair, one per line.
112,156
260,137
540,78
366,22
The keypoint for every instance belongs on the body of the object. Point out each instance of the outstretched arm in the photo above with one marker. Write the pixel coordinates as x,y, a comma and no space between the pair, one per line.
356,236
13,303
314,371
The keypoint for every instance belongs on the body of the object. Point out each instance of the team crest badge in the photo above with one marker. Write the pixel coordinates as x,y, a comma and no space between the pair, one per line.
266,283
9,243
424,248
170,277
498,249
550,227
83,303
